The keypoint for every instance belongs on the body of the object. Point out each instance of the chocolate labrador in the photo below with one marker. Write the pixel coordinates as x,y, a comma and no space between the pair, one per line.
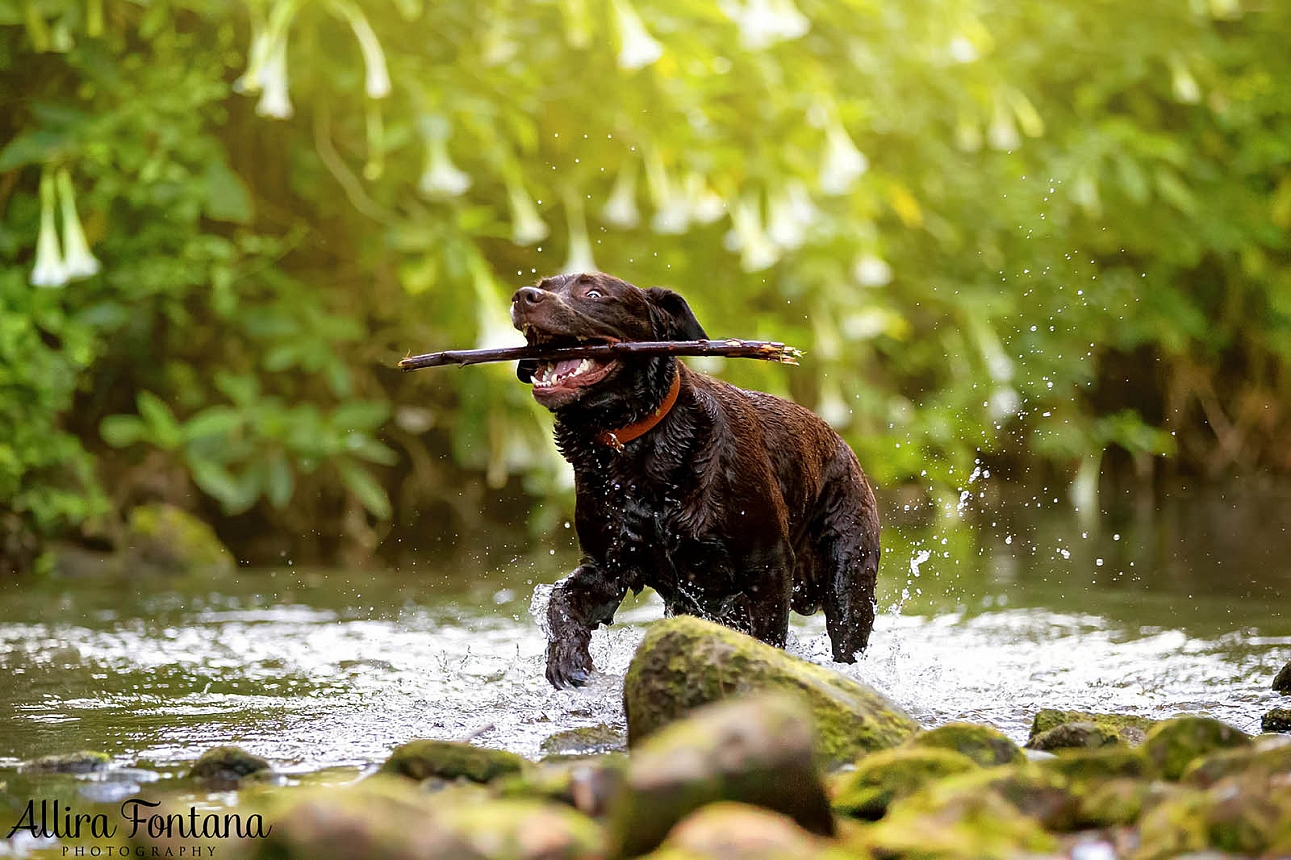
733,505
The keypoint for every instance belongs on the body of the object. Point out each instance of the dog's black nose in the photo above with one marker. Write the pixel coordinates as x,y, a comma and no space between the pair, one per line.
528,296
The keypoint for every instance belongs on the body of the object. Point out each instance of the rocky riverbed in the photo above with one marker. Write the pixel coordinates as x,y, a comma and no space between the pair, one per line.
732,750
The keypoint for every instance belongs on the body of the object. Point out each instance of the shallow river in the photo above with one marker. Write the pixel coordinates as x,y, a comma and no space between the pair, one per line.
1181,608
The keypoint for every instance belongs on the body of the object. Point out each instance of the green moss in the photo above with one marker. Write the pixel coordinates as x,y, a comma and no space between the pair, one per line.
1172,745
731,831
227,764
164,538
982,744
1276,720
1038,793
685,662
1115,803
1131,729
1177,826
1075,736
756,751
423,759
1251,762
1282,680
979,826
585,740
84,761
588,784
885,776
1083,769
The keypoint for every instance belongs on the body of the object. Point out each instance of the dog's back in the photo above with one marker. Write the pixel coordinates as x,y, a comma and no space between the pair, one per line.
832,517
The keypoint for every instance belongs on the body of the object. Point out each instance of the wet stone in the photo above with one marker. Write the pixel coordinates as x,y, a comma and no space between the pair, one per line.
588,740
1129,728
449,760
882,777
685,662
757,751
228,764
1079,735
737,831
84,761
1172,745
1282,680
982,744
1276,720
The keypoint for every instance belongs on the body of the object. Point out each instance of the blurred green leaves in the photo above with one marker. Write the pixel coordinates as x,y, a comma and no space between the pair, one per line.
1031,230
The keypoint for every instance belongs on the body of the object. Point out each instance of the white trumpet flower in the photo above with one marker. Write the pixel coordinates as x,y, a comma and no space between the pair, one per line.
275,99
843,163
789,215
671,209
49,269
621,209
377,81
871,270
580,246
249,81
706,205
1003,131
440,178
1183,83
762,23
78,262
746,236
637,48
527,226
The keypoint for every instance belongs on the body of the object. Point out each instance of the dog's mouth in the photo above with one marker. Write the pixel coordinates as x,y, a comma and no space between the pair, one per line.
556,383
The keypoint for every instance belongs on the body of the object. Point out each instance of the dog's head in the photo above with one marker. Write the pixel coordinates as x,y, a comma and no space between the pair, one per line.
568,310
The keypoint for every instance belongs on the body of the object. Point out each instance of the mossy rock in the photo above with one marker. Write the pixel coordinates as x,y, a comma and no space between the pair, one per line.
1075,736
589,784
449,760
390,818
685,662
162,538
738,831
1243,818
1251,762
1282,680
757,751
971,826
1035,792
1129,728
586,740
1173,744
1276,720
228,764
1083,769
889,775
983,744
84,761
1115,803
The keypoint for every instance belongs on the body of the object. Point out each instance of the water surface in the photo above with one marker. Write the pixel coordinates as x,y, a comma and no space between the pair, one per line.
1184,608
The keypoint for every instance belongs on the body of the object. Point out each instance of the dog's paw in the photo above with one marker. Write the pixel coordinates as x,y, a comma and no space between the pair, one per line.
568,664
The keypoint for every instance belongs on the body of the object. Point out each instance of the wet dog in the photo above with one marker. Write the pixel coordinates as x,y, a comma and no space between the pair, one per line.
733,505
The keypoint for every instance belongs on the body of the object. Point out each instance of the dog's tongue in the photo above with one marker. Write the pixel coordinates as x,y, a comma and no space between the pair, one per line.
567,365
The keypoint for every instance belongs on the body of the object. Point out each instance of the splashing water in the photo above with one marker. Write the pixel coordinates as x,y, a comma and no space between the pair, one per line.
315,670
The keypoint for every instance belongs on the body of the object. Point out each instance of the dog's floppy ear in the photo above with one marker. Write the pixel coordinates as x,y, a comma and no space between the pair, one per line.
526,369
672,317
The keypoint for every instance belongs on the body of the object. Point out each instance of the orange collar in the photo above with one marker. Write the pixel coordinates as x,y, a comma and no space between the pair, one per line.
616,439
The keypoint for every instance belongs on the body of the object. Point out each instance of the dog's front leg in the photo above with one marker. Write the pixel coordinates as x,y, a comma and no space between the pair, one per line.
581,601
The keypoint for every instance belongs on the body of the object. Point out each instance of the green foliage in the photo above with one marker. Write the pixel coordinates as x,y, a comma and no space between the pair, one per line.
1034,230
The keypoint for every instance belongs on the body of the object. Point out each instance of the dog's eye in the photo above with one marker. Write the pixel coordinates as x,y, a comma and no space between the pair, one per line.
594,293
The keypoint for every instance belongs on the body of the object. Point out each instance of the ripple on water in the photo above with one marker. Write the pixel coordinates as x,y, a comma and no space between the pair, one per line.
313,687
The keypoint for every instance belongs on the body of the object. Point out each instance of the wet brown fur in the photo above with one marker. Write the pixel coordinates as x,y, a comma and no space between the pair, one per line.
737,506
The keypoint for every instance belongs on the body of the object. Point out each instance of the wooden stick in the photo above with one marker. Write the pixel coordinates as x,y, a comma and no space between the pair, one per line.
762,349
